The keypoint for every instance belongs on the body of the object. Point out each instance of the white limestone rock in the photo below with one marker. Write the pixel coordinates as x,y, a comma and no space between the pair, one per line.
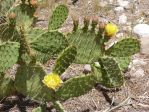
142,30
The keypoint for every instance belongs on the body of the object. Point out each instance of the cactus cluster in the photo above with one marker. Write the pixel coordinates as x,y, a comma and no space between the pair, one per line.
29,47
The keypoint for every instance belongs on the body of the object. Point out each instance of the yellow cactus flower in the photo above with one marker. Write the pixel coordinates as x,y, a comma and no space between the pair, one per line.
111,29
52,80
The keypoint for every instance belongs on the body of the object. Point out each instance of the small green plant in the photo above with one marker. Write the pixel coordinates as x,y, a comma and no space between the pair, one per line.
29,47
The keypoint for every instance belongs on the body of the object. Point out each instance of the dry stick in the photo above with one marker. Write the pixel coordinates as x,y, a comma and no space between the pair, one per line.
124,103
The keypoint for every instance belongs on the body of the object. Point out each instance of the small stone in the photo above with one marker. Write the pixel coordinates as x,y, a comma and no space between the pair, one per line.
123,3
103,4
142,30
139,62
119,9
87,69
139,73
119,35
123,19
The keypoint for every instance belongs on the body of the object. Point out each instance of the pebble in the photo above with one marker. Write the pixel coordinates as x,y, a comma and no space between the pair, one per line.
119,9
142,30
87,69
138,73
123,3
122,19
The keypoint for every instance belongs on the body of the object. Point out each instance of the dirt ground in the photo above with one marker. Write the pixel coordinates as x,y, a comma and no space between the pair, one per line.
132,97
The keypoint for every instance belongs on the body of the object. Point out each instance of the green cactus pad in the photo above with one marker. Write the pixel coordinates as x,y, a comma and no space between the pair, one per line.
6,87
123,62
88,46
59,16
124,48
9,53
75,87
8,33
40,57
97,73
34,34
50,42
5,6
28,81
24,16
38,109
111,73
65,59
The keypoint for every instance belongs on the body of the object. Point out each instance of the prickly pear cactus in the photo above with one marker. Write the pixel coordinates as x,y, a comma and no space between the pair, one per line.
50,42
123,50
58,17
38,109
123,62
5,6
111,73
65,59
28,81
7,30
6,86
24,16
9,53
124,47
75,87
86,41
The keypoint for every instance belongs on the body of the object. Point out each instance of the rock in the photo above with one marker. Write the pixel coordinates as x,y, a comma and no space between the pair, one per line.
87,69
123,3
122,19
139,62
138,73
145,45
119,9
103,3
142,30
119,35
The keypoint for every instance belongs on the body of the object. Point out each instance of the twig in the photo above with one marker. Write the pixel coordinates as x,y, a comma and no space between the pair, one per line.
124,103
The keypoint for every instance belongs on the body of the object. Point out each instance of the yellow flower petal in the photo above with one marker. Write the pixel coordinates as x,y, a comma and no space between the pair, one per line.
52,80
111,29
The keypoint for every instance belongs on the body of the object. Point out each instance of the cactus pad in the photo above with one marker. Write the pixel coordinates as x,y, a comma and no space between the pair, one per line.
88,46
125,47
8,33
50,42
6,87
123,62
64,60
75,87
38,109
34,33
24,16
111,73
59,16
28,81
5,5
9,53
